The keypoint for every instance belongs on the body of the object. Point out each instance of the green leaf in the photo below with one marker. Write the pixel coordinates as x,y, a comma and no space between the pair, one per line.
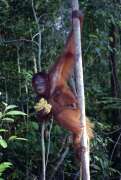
15,113
3,143
23,139
3,130
12,138
4,166
97,158
5,104
93,36
8,119
17,138
10,107
1,115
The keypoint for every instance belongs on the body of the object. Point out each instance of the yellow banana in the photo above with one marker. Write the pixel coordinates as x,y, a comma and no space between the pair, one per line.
43,104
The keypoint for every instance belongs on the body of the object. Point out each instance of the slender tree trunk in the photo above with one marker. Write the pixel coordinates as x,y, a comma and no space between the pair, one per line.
115,89
80,93
6,91
26,121
34,63
39,69
19,70
39,51
39,36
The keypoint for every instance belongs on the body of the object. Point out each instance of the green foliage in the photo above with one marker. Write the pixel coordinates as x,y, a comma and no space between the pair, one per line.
4,166
6,111
19,132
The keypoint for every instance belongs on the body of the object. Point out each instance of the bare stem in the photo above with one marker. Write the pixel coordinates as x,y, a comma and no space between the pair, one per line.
48,148
59,162
43,152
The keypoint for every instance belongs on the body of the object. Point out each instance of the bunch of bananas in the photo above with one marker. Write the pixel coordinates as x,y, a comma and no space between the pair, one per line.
43,104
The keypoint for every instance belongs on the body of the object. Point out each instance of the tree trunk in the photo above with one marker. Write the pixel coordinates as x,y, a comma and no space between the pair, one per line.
84,170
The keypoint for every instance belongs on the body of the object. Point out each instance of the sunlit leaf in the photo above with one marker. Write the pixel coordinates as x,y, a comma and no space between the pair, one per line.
22,139
10,107
0,115
14,113
1,178
17,138
5,104
3,143
8,119
3,130
12,138
4,166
